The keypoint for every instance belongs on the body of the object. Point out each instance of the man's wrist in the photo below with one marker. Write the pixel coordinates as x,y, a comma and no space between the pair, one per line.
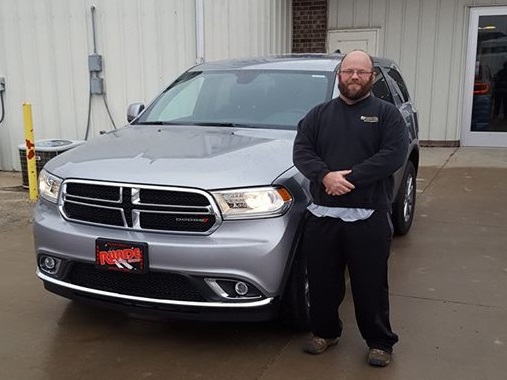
322,174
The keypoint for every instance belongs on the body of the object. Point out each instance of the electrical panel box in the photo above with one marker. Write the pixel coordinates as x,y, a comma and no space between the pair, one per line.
96,86
95,62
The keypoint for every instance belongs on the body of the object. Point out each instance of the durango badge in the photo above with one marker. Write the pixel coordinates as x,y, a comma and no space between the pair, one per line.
198,220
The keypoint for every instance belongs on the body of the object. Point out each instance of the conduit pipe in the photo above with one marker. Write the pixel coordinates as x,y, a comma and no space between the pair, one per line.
199,30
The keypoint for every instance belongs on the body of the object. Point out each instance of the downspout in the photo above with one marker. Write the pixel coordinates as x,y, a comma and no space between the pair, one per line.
199,30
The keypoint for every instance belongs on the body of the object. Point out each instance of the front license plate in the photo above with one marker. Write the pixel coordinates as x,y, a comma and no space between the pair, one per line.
122,256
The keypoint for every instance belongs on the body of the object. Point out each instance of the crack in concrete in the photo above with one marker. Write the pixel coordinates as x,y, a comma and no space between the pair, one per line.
446,301
430,182
266,368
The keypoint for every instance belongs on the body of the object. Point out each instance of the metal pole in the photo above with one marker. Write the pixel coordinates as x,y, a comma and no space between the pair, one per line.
92,8
30,151
199,30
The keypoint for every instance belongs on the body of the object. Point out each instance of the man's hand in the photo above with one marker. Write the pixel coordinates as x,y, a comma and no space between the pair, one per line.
336,184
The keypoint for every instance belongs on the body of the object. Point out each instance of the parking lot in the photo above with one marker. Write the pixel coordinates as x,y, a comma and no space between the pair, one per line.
448,283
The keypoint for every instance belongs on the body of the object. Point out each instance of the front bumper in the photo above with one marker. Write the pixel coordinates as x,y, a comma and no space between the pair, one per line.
256,252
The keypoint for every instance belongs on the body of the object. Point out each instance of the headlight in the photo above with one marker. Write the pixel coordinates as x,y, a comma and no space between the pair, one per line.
49,186
258,202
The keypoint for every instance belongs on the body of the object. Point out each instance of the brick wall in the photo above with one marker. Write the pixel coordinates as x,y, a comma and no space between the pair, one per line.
309,26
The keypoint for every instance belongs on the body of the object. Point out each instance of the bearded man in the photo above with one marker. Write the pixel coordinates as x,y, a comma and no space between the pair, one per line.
349,148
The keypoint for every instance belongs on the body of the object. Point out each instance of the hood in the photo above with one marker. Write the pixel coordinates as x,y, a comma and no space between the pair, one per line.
189,156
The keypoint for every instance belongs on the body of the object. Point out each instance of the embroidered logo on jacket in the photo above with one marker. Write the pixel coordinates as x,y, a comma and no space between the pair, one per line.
369,119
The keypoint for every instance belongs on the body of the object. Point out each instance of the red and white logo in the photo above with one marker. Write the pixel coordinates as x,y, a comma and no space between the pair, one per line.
122,258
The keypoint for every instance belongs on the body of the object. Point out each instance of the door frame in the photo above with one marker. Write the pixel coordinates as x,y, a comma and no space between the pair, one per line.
468,137
371,35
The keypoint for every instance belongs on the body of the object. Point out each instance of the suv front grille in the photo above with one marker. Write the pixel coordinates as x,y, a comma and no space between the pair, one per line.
140,207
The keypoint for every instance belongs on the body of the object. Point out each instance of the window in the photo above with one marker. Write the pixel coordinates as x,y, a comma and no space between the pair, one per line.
257,98
380,88
396,76
182,99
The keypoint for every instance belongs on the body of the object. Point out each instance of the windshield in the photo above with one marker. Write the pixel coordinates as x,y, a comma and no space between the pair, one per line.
244,98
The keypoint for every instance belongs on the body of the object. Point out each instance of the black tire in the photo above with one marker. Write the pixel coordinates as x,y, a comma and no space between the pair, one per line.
404,205
295,303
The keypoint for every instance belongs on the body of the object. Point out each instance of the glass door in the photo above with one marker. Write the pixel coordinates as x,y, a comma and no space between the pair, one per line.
485,101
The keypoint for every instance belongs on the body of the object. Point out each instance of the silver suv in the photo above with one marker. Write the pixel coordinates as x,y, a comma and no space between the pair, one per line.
194,209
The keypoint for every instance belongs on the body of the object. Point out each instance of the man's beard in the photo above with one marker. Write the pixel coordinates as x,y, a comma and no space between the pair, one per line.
361,92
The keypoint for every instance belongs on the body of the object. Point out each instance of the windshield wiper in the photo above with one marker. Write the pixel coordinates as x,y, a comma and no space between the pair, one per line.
199,123
224,124
156,123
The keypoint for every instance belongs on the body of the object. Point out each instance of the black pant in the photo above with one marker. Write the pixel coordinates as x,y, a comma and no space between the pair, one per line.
330,246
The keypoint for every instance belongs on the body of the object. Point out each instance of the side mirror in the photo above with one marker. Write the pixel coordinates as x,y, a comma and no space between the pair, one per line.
134,110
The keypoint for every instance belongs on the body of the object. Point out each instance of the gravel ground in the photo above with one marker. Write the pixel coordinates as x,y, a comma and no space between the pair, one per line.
16,209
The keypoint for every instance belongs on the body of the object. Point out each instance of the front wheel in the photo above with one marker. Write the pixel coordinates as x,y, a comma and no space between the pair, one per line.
404,205
296,302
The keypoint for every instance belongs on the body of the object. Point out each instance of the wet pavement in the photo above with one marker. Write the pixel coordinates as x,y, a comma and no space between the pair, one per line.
448,282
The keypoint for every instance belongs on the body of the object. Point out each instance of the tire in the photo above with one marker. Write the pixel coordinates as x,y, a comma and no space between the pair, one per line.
295,304
404,205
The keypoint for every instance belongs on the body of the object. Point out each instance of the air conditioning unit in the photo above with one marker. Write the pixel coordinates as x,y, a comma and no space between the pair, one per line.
44,151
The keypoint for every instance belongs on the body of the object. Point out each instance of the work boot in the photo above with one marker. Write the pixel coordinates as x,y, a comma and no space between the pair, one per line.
378,358
316,345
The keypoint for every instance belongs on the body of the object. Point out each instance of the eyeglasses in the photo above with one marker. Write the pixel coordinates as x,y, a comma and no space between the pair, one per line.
360,73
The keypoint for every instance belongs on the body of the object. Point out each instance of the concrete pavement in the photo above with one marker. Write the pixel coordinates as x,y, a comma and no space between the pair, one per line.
448,282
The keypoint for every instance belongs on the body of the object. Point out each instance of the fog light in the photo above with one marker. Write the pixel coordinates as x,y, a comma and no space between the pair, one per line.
49,264
233,289
241,288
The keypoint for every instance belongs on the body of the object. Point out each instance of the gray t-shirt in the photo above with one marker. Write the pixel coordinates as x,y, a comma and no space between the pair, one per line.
344,213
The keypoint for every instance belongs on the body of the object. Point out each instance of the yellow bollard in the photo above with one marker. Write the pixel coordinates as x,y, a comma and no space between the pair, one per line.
30,152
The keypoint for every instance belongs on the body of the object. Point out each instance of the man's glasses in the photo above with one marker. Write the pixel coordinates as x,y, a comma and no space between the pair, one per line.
360,73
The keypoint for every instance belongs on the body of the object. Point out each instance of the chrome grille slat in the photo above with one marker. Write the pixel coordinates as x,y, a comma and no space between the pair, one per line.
140,207
172,212
79,198
175,207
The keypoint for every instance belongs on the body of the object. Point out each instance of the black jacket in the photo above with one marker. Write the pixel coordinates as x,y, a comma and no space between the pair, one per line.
369,137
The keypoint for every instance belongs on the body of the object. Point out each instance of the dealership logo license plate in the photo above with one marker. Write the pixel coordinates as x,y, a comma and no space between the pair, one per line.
121,256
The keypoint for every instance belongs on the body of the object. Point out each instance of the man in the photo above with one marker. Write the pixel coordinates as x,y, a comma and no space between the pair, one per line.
349,148
500,92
